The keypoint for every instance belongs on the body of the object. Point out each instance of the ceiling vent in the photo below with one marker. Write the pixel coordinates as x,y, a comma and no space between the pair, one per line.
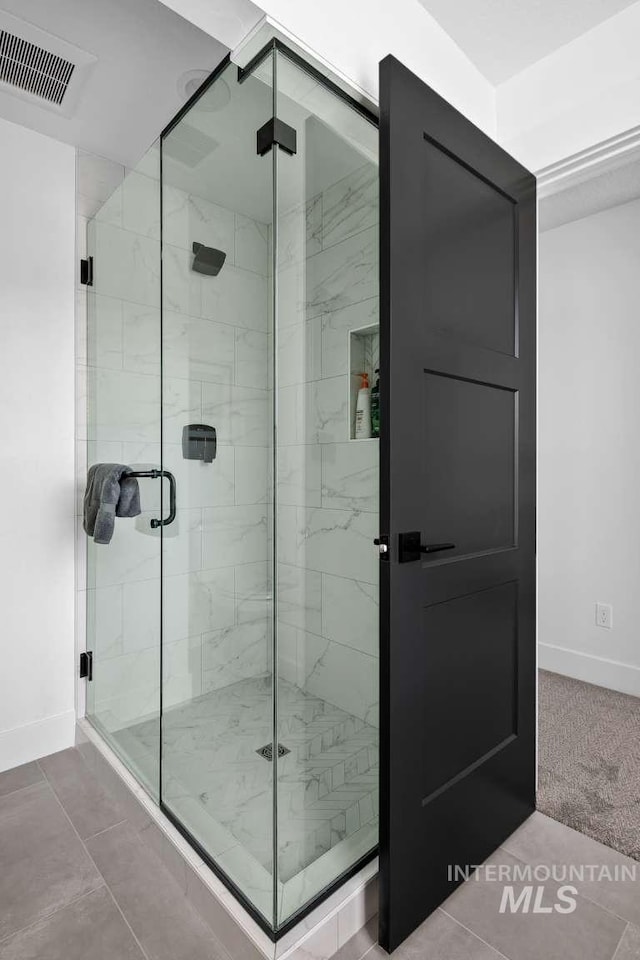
34,69
39,67
188,145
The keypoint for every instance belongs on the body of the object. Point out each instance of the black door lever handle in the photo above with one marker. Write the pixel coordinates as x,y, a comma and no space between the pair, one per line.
410,549
436,547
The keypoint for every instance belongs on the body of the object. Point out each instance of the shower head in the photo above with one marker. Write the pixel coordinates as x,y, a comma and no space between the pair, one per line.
207,260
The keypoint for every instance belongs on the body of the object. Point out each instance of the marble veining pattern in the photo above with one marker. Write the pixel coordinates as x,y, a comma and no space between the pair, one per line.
343,274
327,486
327,784
300,232
350,206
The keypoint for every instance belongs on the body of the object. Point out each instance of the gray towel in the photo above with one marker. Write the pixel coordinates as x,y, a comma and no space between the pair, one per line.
109,494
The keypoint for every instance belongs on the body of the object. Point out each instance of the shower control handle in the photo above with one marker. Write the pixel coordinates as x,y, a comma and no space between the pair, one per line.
172,500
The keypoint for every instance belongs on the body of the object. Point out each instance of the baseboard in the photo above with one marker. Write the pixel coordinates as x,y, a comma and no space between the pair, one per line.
584,666
38,739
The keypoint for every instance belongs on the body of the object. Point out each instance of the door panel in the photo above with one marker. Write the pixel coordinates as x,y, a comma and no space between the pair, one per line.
475,508
469,232
457,464
472,661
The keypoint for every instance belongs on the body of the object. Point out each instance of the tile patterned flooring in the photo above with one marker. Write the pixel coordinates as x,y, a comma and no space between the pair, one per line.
327,783
77,879
469,925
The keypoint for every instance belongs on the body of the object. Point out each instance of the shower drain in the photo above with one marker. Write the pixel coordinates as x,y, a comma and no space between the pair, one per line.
267,751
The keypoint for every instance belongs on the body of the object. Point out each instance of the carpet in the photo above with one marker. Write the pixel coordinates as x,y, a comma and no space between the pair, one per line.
589,760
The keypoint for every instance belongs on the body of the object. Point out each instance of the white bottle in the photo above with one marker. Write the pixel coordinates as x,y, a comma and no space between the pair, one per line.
363,409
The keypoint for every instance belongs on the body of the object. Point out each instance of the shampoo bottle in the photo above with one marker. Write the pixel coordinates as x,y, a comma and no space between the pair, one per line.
375,407
363,409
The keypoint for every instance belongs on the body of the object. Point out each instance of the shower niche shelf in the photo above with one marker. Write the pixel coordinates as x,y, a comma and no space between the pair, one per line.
364,357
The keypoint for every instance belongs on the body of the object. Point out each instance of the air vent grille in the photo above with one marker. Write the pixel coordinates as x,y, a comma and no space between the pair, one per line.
33,69
188,145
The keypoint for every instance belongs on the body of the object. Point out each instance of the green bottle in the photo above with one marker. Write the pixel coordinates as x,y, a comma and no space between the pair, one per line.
375,406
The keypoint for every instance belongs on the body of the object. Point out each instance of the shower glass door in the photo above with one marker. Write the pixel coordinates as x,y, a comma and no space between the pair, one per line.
124,426
327,336
217,619
269,731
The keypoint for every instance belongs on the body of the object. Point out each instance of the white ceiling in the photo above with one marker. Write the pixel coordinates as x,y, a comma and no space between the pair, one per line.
502,37
142,49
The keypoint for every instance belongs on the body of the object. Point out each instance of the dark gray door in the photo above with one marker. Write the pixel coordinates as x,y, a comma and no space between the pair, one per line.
458,324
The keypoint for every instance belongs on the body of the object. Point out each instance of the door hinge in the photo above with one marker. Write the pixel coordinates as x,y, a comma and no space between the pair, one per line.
86,665
276,131
86,272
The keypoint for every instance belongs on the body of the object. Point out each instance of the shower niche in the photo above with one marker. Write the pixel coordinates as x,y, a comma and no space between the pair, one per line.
364,357
235,650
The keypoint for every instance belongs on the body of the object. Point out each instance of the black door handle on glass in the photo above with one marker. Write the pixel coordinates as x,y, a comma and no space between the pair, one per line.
156,475
172,501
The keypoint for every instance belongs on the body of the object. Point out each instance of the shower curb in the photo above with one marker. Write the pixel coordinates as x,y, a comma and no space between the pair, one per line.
319,935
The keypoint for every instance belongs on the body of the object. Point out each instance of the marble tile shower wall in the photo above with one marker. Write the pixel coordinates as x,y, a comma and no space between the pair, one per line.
216,363
215,371
327,484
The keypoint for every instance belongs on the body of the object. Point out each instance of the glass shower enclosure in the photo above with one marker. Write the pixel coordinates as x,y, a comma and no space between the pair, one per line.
235,643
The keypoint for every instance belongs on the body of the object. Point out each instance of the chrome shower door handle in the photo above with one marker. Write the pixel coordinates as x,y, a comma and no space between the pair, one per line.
172,500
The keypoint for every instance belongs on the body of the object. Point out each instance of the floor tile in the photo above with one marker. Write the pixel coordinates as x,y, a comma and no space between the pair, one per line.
587,933
19,777
322,942
360,943
163,921
438,938
543,840
126,797
237,942
441,938
44,865
629,946
90,927
88,806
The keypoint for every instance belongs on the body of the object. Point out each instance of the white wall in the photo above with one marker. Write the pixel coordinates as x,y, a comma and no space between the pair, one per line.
581,94
589,447
37,186
354,36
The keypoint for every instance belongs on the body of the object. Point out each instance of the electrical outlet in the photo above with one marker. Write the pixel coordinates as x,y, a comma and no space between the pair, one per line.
604,615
